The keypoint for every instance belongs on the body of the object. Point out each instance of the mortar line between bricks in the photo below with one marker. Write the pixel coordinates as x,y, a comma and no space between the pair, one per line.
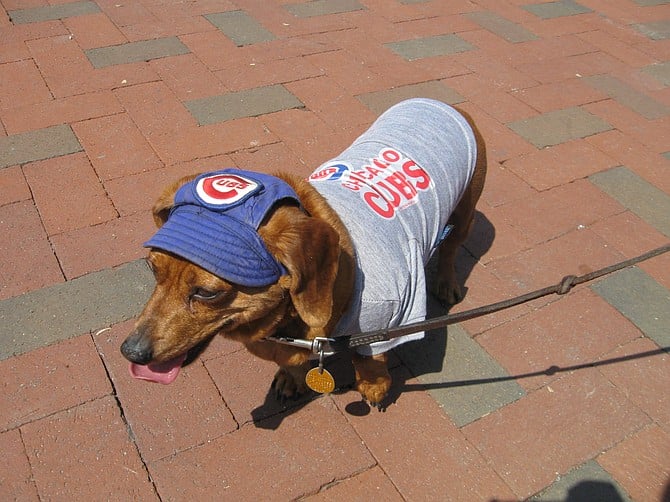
129,430
27,457
218,391
363,442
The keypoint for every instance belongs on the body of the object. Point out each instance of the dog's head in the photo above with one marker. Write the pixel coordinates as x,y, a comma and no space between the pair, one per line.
191,303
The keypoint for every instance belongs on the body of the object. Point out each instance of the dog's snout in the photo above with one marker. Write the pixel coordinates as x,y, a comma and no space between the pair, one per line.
137,348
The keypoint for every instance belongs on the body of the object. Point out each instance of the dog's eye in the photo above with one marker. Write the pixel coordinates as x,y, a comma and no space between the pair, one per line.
205,295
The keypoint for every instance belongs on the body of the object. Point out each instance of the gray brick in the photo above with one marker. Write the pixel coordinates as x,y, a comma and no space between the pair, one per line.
561,8
645,302
626,95
134,52
461,376
240,27
644,199
649,3
52,12
249,103
440,45
589,481
512,32
657,30
380,101
323,7
38,145
660,71
85,304
559,126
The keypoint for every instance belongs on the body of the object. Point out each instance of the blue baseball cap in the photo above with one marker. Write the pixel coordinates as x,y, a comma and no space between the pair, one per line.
214,224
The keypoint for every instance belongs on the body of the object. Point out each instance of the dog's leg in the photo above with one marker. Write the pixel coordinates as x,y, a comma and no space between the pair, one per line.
373,380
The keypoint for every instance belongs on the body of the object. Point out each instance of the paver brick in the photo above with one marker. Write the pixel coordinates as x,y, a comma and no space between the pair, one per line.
359,488
465,381
53,183
510,31
240,27
626,95
633,192
559,126
589,481
115,146
65,310
265,74
427,47
660,71
641,299
21,84
165,419
640,464
559,8
50,379
41,144
421,451
317,443
556,96
97,446
16,481
94,30
188,78
13,186
656,30
23,237
133,52
570,332
51,12
380,101
559,426
323,7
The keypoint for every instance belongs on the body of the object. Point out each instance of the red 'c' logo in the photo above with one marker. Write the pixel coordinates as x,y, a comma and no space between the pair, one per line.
222,189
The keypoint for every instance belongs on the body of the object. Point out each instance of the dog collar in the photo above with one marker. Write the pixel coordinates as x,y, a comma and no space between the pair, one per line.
214,224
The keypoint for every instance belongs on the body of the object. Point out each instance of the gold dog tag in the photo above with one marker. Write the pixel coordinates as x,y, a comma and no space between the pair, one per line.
320,380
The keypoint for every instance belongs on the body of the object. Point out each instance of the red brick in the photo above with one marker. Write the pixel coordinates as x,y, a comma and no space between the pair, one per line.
94,30
208,46
137,193
16,481
501,142
560,164
24,238
572,331
559,427
616,48
348,71
561,69
112,243
556,96
68,72
633,154
642,378
577,252
554,212
650,133
116,147
85,453
165,419
13,51
61,111
189,78
640,464
48,380
494,70
372,483
295,454
126,14
629,234
493,237
421,450
270,159
307,136
13,186
54,182
659,269
498,103
503,186
21,84
251,75
332,104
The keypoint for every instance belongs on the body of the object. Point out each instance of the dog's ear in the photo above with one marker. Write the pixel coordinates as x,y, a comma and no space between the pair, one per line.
162,206
309,249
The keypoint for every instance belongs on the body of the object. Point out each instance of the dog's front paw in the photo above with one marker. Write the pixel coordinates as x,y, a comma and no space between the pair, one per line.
289,383
374,393
448,292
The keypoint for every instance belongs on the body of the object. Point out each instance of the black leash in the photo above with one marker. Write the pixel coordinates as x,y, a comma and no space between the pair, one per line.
566,284
343,343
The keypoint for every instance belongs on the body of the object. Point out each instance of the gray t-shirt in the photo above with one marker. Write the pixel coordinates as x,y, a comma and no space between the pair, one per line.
394,189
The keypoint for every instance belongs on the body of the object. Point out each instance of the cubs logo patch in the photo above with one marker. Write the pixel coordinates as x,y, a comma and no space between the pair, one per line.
225,189
331,172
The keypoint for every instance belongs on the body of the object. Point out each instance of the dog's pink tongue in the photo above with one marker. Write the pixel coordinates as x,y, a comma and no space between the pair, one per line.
164,373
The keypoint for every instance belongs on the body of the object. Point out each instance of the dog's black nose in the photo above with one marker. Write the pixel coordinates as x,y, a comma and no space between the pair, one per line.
137,348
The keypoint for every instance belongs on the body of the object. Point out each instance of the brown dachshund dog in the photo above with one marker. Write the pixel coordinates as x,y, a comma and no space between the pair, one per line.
307,299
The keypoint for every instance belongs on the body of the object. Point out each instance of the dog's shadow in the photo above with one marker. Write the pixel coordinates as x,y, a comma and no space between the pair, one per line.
423,356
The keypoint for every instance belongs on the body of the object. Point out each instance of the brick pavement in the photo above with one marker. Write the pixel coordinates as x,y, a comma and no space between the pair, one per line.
103,102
